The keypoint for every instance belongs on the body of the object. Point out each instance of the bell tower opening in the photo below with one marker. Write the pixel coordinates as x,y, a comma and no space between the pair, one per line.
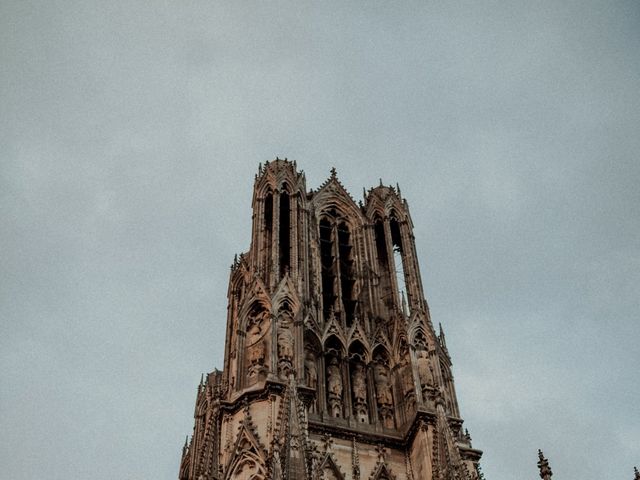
398,260
347,277
285,233
328,270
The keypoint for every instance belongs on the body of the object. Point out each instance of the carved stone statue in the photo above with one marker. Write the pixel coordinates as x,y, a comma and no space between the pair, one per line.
359,387
407,379
384,396
310,370
358,382
285,346
334,384
256,348
424,370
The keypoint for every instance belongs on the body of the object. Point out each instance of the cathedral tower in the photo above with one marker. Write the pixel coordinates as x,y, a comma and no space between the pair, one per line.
332,367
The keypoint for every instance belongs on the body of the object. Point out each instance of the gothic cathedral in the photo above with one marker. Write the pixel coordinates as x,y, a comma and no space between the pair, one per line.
332,367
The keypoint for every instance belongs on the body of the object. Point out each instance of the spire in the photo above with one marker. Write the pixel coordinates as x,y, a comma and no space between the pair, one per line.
441,337
543,465
186,445
636,473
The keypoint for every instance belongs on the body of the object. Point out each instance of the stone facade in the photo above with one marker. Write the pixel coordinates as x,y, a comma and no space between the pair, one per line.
332,367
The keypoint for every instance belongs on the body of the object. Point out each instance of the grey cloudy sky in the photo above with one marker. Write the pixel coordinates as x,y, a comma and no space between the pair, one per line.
130,133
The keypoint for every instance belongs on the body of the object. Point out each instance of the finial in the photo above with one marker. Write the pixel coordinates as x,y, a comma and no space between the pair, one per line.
382,452
328,441
441,337
334,173
636,473
543,465
355,460
201,379
381,182
364,192
398,188
185,446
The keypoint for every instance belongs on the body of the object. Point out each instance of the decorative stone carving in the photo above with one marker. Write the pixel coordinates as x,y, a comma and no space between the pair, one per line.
359,387
384,396
285,345
310,370
424,370
256,347
335,387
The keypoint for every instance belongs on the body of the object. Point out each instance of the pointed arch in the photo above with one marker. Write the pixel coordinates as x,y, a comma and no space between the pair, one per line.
286,294
247,466
358,351
382,472
357,333
333,328
248,461
328,469
333,344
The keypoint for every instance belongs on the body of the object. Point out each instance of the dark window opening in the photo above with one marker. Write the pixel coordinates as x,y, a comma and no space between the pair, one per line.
328,270
381,244
347,277
268,212
285,234
268,237
398,261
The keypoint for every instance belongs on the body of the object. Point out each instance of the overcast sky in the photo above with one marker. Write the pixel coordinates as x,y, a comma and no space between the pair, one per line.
130,133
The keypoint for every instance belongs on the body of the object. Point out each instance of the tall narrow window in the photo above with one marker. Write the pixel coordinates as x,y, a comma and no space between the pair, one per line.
328,270
285,233
381,244
268,233
398,260
383,264
347,277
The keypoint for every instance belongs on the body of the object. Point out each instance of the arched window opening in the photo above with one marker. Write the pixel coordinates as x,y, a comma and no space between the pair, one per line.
347,275
328,269
398,261
381,243
268,212
386,293
285,233
268,232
